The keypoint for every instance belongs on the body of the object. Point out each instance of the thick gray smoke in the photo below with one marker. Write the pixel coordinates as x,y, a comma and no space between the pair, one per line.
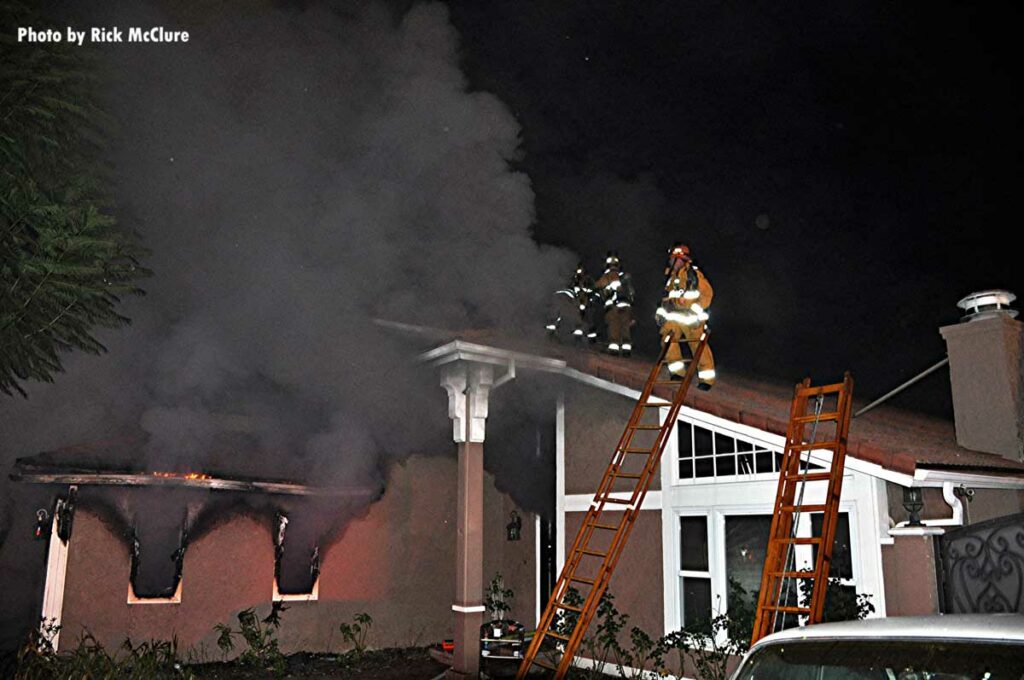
296,173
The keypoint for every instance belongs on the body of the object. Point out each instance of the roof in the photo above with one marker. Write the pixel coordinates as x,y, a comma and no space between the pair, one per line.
976,627
896,440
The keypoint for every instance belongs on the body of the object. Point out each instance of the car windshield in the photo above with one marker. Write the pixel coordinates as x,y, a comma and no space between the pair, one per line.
885,660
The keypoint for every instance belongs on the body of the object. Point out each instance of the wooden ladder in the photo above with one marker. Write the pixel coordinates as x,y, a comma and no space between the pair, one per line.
781,579
602,535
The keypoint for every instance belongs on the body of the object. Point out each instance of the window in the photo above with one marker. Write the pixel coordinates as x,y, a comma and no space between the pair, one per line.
746,544
743,542
694,571
705,452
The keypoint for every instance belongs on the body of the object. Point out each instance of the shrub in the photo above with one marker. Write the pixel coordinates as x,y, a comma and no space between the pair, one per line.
355,634
262,648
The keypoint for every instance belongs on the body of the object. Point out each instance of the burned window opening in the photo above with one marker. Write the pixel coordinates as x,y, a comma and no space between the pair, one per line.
296,570
151,583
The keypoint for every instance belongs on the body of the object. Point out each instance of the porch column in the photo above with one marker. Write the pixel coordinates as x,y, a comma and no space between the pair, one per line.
468,386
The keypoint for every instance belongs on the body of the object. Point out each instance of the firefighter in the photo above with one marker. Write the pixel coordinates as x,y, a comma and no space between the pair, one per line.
616,288
573,307
683,315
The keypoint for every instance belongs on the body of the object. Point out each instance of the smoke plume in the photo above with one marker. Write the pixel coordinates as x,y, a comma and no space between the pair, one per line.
297,171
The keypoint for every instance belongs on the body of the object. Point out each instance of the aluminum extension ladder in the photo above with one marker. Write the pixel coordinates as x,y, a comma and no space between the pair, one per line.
777,603
608,522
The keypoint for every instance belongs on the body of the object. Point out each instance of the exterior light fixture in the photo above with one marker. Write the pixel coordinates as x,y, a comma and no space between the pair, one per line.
913,502
514,529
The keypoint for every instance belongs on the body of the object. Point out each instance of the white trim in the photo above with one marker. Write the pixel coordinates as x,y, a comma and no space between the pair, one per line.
460,350
53,592
916,531
925,477
581,502
468,610
312,596
560,483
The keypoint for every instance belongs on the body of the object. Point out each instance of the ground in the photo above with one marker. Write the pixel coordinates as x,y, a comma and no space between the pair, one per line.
385,664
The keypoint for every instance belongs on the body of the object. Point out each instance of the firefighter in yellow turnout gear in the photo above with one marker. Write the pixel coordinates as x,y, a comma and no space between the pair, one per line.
616,288
683,315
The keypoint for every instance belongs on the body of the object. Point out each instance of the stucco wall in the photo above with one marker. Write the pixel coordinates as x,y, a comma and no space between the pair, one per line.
637,581
396,562
594,422
991,503
910,576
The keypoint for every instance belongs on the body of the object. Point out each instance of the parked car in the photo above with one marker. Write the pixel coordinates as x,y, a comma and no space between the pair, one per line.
940,647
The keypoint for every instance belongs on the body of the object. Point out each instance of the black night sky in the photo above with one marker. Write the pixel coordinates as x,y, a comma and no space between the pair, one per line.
880,140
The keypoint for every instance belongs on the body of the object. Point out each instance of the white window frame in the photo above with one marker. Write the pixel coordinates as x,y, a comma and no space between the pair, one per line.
717,498
687,573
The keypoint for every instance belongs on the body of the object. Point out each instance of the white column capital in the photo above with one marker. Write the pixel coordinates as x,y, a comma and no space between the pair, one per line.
468,386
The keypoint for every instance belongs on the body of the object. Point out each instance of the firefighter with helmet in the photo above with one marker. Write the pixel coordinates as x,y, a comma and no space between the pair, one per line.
683,315
573,306
616,288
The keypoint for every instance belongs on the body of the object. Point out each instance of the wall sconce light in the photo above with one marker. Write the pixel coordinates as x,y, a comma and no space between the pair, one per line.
913,502
514,529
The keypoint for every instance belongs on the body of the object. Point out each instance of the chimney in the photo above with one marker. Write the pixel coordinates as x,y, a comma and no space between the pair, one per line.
985,365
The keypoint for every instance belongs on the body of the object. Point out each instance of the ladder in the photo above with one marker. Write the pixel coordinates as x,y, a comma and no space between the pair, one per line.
780,580
609,520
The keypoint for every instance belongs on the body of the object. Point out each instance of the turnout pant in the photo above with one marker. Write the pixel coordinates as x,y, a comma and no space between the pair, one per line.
675,333
619,320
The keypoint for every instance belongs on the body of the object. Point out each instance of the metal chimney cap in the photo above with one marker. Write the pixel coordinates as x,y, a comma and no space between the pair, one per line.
986,304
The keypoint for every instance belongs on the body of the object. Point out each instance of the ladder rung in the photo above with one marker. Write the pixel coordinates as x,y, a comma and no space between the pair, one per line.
626,475
789,610
543,664
809,476
647,427
667,382
821,417
793,574
595,553
799,540
804,508
609,527
822,389
631,449
580,579
620,501
562,605
811,446
648,404
556,635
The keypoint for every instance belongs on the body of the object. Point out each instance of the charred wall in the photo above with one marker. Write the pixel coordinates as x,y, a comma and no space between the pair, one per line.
396,562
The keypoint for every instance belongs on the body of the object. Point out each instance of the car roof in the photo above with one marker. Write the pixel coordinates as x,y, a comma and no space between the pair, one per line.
1004,627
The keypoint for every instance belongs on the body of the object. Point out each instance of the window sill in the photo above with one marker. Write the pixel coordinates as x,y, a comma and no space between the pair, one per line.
173,599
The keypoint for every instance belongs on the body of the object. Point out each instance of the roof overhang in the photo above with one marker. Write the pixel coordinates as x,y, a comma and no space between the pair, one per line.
188,481
460,350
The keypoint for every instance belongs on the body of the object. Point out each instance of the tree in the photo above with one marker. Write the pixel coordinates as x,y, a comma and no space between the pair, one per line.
64,263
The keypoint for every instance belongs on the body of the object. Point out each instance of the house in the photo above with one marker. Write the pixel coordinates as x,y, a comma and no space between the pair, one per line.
418,555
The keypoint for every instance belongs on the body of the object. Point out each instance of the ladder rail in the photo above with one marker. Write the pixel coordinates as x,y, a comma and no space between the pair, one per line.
623,527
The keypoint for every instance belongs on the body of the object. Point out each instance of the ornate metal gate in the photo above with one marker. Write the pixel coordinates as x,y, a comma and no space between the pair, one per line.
982,567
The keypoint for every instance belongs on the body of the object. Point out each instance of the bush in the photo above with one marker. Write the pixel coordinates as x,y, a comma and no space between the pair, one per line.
262,648
154,659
